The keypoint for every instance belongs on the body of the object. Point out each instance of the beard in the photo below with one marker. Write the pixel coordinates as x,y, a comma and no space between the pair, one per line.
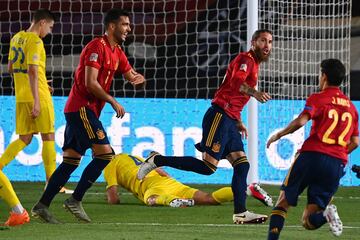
118,36
118,39
260,55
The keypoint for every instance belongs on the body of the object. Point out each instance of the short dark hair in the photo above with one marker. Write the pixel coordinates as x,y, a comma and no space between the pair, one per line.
257,33
112,16
43,14
334,70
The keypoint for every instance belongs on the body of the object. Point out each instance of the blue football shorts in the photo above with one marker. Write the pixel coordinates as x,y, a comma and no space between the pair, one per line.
319,173
83,129
220,135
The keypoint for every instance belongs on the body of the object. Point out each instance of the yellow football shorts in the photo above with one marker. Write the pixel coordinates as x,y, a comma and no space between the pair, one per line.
158,186
44,123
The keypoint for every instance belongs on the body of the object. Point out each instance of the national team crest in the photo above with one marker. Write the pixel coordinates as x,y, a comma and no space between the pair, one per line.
100,134
216,147
243,67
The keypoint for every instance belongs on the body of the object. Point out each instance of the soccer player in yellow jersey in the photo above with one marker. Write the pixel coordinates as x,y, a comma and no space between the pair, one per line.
34,106
158,188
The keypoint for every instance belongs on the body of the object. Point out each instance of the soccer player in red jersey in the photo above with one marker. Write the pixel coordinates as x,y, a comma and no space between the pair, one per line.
323,156
222,127
99,61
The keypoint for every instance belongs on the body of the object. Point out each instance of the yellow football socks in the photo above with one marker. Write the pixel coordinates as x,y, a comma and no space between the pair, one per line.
49,157
7,192
224,194
11,151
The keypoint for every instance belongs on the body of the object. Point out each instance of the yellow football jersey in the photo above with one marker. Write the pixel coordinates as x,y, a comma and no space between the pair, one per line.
28,48
122,171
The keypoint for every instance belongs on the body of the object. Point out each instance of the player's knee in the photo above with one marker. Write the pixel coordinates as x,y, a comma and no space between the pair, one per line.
105,156
241,164
307,225
75,161
26,139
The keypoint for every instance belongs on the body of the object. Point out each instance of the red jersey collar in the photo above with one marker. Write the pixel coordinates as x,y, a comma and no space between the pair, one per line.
105,37
330,88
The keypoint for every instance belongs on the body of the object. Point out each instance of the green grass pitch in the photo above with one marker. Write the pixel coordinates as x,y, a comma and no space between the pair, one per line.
132,220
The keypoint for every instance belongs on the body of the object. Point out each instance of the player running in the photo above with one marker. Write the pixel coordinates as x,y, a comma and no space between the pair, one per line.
223,128
323,156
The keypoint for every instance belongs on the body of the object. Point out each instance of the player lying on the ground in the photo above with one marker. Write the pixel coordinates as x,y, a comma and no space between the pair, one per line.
158,188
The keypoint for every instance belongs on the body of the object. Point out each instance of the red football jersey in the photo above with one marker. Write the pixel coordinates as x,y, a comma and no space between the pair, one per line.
97,54
334,121
244,68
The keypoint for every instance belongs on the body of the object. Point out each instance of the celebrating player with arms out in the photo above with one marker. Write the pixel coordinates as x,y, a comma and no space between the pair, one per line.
222,127
323,156
99,61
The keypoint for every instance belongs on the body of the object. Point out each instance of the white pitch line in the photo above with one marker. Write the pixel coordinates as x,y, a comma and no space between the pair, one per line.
203,225
274,197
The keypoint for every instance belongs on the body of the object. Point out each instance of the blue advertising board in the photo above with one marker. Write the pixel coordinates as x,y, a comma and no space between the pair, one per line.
169,126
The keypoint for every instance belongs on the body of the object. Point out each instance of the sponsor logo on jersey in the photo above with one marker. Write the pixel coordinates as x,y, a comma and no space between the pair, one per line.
93,57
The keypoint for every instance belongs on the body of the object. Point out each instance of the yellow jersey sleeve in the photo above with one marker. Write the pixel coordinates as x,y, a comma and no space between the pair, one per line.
35,48
110,174
27,48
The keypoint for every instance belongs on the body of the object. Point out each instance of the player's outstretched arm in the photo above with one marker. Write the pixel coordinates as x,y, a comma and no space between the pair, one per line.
259,96
34,85
294,125
242,129
354,143
135,78
10,67
93,86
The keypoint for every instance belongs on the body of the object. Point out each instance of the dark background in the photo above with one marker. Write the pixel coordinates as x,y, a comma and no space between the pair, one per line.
172,74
